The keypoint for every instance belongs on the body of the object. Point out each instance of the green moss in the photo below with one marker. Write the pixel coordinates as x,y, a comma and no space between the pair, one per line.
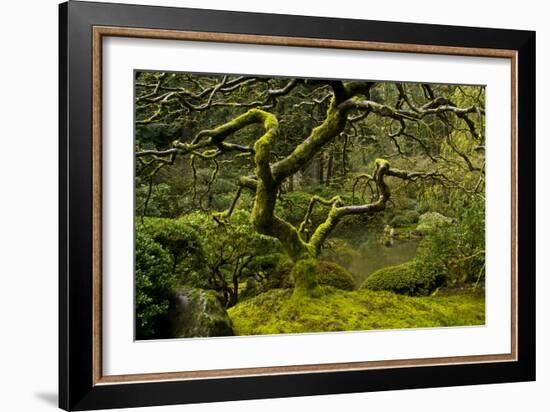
324,229
381,162
430,221
405,218
305,278
332,274
327,273
276,312
281,278
407,278
198,313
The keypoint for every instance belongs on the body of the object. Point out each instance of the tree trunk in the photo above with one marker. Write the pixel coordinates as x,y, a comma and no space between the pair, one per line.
291,183
304,273
321,165
330,168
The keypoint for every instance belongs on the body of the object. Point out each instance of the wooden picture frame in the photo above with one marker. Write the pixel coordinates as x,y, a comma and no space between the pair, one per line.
82,384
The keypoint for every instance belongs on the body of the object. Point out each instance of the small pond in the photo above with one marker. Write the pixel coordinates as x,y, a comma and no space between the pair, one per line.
374,255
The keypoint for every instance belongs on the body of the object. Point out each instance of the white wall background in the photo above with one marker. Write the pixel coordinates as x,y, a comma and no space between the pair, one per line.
28,204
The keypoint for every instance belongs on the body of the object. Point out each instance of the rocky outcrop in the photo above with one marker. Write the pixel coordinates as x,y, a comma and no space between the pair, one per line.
198,313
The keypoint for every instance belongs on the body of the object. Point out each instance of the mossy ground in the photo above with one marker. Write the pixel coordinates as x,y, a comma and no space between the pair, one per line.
277,312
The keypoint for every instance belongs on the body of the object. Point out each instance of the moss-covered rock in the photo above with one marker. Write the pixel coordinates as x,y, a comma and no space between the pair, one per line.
198,313
332,274
430,221
407,278
277,312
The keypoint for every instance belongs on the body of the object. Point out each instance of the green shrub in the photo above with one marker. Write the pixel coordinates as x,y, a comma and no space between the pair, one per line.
233,251
452,253
407,278
332,274
404,218
407,203
456,250
431,221
184,243
328,273
202,249
160,200
280,278
154,283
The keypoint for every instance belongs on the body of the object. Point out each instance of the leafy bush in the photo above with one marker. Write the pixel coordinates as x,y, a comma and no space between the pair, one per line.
154,283
404,218
328,273
408,278
332,274
185,245
161,200
450,254
432,221
457,250
280,278
206,252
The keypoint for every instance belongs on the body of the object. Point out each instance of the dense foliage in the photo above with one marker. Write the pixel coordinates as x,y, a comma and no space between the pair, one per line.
154,283
250,188
209,255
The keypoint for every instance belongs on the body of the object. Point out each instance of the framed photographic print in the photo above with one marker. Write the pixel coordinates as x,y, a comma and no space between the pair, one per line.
257,205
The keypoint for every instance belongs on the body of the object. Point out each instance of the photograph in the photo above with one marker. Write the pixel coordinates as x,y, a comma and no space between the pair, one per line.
244,206
276,205
239,206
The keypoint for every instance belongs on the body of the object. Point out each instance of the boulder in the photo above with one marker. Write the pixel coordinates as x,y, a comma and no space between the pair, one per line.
197,313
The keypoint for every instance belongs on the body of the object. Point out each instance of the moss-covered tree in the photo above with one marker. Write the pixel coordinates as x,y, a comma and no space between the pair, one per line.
261,122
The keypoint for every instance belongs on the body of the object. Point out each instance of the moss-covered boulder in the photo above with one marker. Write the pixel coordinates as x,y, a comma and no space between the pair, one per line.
332,274
431,221
328,273
198,313
407,278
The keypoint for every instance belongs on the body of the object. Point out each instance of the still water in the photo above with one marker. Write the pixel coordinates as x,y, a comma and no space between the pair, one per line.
374,255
